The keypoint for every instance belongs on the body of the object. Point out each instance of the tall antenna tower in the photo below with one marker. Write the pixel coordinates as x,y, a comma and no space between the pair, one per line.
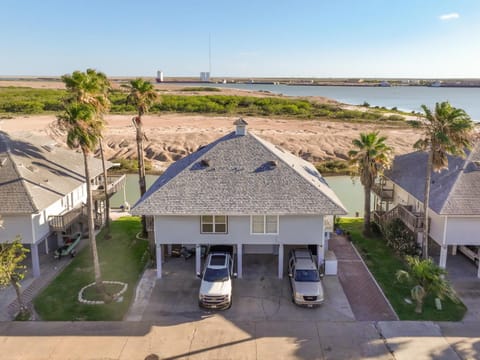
210,54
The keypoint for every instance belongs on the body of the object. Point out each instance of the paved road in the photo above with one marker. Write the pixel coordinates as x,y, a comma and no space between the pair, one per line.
215,337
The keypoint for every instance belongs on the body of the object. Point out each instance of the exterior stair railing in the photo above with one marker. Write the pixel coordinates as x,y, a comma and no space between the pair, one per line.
412,220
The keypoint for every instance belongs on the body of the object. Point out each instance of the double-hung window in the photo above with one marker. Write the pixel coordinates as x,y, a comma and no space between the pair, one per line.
213,224
264,224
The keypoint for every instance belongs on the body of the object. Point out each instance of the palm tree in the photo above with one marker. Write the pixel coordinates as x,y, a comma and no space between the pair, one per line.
447,131
142,95
84,130
426,277
92,87
371,155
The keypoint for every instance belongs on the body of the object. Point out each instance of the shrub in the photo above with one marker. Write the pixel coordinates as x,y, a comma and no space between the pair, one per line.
400,238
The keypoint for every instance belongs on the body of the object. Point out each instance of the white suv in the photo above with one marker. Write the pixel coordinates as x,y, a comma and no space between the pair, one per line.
305,280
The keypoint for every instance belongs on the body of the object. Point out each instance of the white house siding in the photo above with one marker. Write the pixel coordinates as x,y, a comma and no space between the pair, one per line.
14,225
437,226
186,230
463,231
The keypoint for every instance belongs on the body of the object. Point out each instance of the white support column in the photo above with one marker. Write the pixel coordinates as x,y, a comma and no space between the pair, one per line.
478,273
159,260
239,261
321,251
46,245
35,260
169,249
280,261
443,256
454,250
198,258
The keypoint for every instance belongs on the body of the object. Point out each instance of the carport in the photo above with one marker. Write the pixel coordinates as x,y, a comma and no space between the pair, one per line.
280,251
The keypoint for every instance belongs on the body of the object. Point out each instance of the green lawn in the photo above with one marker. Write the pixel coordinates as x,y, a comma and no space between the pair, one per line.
122,258
383,264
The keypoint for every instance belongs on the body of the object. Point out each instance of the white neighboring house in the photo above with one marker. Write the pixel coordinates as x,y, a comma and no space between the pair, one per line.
244,191
43,191
454,199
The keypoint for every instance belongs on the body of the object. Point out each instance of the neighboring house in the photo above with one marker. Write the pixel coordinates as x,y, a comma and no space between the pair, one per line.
454,199
243,191
43,192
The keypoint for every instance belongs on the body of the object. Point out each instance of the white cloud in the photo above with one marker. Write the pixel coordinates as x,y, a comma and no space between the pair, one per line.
451,16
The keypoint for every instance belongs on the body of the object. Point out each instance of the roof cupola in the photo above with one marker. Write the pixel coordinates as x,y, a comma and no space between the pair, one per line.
241,127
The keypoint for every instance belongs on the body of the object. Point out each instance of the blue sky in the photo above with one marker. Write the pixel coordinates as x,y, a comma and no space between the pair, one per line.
250,38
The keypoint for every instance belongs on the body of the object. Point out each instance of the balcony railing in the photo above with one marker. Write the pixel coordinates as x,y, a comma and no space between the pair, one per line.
63,221
114,184
385,194
412,220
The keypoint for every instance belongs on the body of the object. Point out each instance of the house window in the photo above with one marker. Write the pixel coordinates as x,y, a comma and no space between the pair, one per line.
213,224
264,224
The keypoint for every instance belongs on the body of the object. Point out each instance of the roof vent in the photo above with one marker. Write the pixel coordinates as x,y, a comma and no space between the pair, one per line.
205,162
241,127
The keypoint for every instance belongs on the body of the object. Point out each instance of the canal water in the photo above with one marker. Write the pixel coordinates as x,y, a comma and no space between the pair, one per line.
350,192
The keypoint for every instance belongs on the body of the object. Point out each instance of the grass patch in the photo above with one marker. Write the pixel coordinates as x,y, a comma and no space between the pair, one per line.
122,258
20,100
383,264
335,167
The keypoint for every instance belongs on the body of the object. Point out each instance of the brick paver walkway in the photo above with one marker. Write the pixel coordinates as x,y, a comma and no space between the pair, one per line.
366,299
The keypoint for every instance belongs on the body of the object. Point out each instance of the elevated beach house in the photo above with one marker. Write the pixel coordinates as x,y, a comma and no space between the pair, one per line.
454,199
244,191
43,192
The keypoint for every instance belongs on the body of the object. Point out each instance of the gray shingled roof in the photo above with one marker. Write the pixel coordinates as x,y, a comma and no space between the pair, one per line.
240,175
35,172
455,191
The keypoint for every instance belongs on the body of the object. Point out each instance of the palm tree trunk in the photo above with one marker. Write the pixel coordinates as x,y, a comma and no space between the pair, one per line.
105,184
419,306
426,202
91,226
366,210
141,167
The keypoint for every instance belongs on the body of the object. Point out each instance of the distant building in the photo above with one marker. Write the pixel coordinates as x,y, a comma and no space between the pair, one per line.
205,76
159,78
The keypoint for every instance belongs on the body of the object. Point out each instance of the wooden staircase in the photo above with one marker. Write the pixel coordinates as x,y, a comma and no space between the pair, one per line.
412,220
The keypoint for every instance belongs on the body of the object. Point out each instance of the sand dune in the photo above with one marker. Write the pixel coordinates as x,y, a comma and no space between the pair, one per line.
171,137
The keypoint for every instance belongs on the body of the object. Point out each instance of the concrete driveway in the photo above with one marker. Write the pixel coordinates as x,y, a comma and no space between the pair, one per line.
259,295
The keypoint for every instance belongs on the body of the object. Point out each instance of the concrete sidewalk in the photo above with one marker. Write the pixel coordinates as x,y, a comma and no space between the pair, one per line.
214,337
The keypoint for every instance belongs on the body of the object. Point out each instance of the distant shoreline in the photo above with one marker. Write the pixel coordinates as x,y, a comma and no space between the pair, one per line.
367,82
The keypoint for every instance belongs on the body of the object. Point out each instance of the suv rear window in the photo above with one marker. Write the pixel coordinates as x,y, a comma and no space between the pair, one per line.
306,275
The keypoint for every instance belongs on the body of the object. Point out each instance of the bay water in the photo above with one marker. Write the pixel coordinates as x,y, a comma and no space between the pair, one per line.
406,98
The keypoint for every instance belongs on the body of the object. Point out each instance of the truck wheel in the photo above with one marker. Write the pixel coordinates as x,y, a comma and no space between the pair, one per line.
73,253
